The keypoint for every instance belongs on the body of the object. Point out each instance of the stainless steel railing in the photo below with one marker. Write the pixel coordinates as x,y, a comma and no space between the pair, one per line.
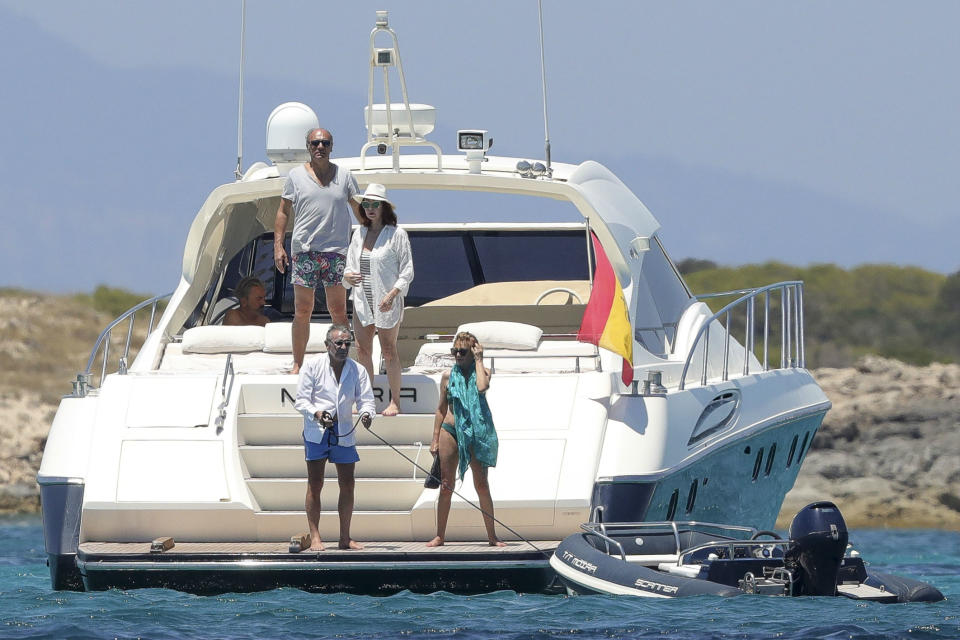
792,352
82,383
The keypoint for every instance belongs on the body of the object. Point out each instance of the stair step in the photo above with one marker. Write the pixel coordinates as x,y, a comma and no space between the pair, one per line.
370,494
376,461
287,429
364,525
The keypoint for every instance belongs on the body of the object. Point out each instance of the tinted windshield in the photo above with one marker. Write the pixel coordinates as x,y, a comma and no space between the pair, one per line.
452,261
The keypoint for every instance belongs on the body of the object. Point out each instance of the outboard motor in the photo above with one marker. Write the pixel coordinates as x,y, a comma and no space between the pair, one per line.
819,540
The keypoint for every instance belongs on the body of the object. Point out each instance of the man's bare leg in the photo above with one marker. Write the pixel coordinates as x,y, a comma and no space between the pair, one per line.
336,303
314,486
448,478
345,504
482,486
300,332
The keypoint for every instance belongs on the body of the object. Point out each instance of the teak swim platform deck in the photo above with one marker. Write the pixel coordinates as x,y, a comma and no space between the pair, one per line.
381,568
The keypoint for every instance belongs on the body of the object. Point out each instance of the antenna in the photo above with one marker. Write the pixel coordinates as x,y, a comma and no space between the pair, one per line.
238,172
543,77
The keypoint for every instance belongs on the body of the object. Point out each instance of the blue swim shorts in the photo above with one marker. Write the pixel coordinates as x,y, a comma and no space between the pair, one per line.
325,451
317,268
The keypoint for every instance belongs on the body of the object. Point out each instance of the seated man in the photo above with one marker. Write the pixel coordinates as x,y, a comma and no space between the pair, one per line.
252,295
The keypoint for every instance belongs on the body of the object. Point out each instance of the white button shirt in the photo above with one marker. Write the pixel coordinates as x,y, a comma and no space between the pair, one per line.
318,390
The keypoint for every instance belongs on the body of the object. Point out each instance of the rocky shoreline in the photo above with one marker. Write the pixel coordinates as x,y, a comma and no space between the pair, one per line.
888,453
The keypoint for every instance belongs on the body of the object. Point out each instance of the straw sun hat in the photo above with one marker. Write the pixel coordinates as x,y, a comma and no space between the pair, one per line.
374,192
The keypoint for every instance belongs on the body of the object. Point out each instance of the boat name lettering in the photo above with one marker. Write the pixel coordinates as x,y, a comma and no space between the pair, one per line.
579,563
654,586
410,393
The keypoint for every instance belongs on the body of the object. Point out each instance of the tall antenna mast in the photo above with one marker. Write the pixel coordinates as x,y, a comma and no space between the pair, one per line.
238,172
543,77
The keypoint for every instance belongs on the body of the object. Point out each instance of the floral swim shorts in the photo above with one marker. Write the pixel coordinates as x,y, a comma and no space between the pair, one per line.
312,268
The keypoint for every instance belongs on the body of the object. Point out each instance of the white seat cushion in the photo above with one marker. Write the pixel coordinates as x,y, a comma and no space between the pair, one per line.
218,339
495,334
278,338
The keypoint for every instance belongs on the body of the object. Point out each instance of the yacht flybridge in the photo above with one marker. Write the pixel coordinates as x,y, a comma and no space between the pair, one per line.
180,463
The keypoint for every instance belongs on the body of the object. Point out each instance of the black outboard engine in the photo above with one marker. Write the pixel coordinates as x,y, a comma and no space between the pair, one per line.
819,540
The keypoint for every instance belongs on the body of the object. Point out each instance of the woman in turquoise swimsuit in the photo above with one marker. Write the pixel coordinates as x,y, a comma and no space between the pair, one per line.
463,432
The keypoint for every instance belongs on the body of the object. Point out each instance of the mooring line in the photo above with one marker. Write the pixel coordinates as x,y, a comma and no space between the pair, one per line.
459,495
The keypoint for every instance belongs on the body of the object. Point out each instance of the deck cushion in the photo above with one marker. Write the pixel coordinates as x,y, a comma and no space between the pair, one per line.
218,339
278,338
496,334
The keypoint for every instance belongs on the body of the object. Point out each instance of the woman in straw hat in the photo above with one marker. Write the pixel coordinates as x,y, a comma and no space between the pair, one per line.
379,268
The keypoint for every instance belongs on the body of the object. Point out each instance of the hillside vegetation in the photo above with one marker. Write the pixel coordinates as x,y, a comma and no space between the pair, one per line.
905,313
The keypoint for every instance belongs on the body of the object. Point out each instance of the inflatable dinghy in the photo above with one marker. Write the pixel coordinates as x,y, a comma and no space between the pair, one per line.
675,559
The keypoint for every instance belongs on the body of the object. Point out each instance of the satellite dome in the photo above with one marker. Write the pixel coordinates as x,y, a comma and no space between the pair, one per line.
287,129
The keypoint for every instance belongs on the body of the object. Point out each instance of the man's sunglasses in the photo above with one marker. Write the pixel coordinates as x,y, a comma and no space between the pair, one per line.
341,344
459,352
317,143
371,204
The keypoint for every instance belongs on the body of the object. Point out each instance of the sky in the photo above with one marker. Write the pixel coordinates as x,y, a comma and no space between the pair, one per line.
804,132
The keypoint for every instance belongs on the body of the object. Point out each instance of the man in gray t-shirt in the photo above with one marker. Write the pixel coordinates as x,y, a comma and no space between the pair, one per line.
320,195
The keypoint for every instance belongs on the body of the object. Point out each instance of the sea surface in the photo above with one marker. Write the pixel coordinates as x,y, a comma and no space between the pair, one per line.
29,608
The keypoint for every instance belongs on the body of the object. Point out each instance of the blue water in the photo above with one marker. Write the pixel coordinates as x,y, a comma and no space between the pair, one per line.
30,609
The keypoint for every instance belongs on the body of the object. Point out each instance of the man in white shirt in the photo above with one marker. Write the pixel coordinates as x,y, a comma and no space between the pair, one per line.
330,385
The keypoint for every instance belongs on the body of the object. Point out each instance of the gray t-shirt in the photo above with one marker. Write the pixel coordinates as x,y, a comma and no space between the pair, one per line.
322,216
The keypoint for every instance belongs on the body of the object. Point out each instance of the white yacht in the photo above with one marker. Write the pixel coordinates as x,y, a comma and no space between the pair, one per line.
178,459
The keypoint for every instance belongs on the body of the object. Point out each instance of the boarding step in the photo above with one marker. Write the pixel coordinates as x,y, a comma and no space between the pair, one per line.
287,461
364,525
370,494
287,429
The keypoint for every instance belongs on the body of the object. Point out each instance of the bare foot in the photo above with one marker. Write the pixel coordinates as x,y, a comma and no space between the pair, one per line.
316,545
350,545
391,410
497,543
436,542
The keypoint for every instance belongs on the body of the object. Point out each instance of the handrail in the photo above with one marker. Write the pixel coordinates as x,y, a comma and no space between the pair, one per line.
792,353
82,382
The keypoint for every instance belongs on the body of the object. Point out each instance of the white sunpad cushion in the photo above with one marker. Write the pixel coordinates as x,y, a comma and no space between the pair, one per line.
218,339
278,338
495,334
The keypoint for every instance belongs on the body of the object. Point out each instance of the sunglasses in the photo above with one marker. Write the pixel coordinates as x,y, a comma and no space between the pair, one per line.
459,352
317,143
371,204
341,344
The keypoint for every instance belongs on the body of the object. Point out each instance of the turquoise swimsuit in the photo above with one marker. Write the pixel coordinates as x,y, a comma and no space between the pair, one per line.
474,431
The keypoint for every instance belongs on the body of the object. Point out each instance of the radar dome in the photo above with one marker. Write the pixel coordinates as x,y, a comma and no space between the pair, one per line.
287,129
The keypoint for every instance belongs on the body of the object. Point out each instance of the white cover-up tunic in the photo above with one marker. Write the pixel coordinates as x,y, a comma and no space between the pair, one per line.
391,267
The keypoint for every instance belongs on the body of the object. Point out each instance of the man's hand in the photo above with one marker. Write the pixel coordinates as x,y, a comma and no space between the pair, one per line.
280,259
324,418
365,419
477,349
353,278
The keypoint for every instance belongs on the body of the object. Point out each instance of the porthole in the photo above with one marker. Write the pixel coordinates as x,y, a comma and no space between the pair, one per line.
692,496
757,463
747,450
804,450
770,457
672,507
793,449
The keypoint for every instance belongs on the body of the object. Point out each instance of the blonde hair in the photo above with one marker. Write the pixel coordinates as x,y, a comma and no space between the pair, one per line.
465,336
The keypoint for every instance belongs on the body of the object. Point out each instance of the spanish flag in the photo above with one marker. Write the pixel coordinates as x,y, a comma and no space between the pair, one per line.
606,322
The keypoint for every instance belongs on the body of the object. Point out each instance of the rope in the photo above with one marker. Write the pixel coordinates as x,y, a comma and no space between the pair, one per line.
459,495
